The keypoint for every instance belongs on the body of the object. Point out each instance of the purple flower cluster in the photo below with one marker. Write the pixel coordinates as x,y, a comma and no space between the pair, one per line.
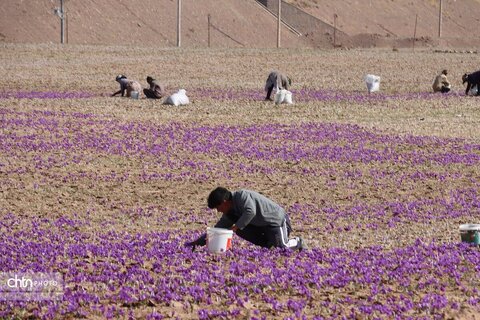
113,270
118,272
305,142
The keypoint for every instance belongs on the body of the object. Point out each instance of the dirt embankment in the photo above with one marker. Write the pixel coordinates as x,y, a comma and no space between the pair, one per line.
242,23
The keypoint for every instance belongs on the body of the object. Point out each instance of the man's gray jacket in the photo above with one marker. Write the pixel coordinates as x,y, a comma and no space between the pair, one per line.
250,207
277,80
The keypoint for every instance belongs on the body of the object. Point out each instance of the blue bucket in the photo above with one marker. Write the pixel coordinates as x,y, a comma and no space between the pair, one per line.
470,233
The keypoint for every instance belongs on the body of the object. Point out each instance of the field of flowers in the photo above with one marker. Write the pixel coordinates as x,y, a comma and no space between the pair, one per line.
105,191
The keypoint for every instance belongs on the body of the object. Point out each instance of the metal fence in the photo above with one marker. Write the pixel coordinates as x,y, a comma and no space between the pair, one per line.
315,30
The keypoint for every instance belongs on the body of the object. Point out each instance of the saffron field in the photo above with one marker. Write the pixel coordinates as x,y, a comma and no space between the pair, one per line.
105,191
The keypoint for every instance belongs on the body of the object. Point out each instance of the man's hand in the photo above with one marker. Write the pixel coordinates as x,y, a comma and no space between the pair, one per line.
234,228
192,244
199,242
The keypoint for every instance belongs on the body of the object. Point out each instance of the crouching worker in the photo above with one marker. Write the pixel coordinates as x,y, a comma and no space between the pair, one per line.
441,84
472,80
127,86
276,80
156,90
252,217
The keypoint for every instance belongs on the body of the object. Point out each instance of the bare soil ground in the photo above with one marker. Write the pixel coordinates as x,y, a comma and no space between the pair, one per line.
110,192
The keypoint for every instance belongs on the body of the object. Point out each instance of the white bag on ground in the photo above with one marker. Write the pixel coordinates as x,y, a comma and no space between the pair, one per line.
178,99
283,96
279,96
372,82
288,97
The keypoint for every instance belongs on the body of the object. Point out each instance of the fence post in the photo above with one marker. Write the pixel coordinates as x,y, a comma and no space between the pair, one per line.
62,22
335,16
279,22
440,20
208,30
66,28
414,32
179,17
61,14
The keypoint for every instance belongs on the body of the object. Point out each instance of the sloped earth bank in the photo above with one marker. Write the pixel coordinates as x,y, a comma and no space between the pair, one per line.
105,191
244,23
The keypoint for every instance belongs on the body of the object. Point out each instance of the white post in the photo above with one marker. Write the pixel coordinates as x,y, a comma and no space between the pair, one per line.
179,17
440,20
335,16
279,22
414,32
208,30
62,22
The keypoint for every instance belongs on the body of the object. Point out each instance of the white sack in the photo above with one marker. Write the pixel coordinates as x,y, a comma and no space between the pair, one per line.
279,96
288,97
283,96
178,99
372,82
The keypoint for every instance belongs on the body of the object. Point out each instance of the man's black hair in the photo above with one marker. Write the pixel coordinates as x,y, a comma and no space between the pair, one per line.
217,196
120,76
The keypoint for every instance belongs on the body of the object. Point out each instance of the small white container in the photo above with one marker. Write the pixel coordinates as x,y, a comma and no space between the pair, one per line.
219,240
134,95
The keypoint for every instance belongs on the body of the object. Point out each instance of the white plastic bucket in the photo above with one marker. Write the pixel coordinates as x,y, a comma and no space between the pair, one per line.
134,94
470,233
219,240
372,82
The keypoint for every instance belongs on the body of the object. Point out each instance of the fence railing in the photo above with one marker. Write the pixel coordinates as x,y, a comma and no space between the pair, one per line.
308,25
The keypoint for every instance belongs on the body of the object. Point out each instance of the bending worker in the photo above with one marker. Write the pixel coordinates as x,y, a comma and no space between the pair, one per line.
156,90
472,80
276,80
127,86
441,84
252,217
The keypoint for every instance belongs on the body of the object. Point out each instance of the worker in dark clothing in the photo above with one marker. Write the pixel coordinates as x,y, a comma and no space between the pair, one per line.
156,90
127,86
472,80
